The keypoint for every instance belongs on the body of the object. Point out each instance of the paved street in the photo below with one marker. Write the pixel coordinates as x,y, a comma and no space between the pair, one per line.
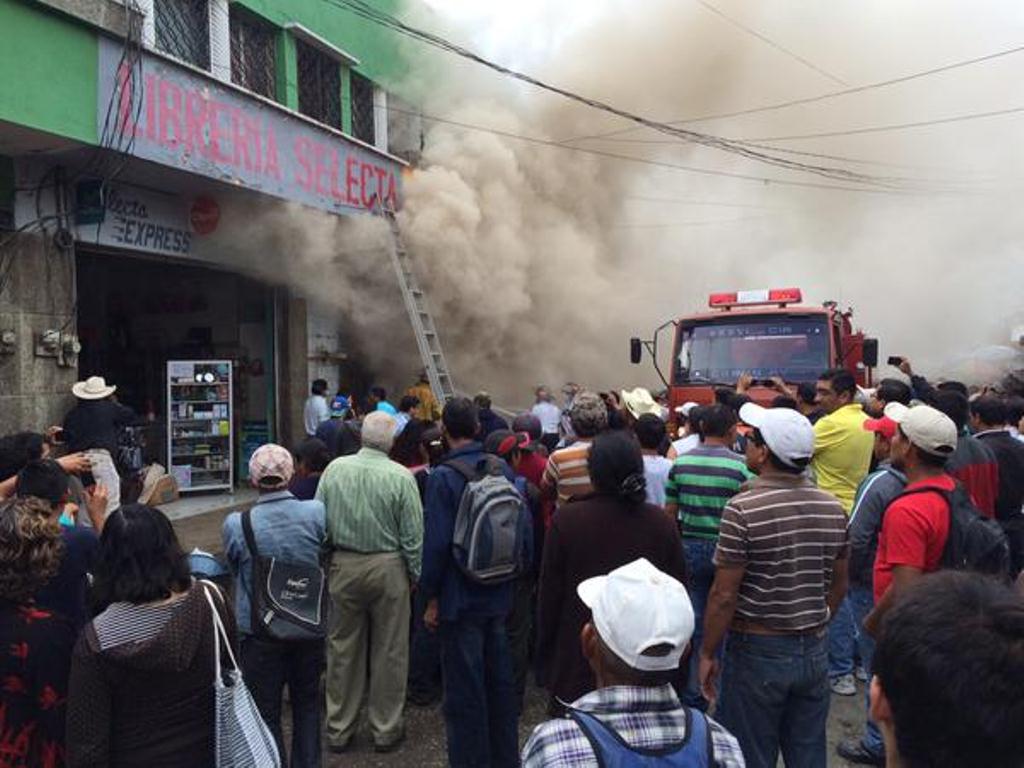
425,744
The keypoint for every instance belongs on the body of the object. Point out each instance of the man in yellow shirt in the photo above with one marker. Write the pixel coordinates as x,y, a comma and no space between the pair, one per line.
428,409
842,447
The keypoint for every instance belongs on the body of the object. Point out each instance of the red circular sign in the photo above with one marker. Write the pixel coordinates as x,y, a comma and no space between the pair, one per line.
204,216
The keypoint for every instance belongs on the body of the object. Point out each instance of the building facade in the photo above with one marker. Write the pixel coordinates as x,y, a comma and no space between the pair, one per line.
127,130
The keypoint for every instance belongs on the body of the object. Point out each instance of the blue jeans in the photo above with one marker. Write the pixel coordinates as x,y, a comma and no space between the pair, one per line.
775,695
480,707
268,666
699,554
862,600
842,642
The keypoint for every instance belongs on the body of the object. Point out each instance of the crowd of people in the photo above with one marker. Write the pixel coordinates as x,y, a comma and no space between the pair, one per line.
690,584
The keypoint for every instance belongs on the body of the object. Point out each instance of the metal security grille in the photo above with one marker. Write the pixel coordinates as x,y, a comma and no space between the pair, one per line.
362,108
253,54
319,85
183,30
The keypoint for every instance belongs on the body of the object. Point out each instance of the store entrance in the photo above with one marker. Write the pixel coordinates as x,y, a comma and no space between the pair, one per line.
135,314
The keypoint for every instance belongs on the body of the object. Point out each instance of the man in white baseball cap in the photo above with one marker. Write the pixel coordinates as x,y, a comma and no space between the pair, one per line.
916,524
641,626
780,575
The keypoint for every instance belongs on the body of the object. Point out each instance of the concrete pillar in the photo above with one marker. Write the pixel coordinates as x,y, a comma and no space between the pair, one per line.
148,22
35,392
220,40
380,118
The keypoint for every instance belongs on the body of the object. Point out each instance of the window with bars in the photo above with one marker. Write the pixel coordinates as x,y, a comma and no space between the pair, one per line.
319,85
183,30
361,101
253,54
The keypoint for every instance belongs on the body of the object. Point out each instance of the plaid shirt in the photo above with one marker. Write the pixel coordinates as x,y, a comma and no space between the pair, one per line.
649,718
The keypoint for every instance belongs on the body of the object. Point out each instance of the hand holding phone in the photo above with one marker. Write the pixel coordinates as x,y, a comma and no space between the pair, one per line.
895,360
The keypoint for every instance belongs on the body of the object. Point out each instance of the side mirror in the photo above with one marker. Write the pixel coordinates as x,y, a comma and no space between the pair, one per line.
870,353
636,351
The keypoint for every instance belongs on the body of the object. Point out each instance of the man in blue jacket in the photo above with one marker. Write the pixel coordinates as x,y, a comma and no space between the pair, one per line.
480,708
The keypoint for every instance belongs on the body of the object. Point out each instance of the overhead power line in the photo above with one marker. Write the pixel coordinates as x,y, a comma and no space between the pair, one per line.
364,10
648,161
765,39
823,96
894,127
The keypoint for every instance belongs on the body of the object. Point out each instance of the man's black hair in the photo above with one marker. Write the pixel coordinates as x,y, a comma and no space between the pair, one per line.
806,392
716,420
724,395
314,454
697,419
379,392
406,448
758,439
1014,410
650,431
953,386
408,402
461,418
45,479
950,660
17,450
482,401
319,387
842,381
954,405
140,559
737,401
989,410
784,401
893,391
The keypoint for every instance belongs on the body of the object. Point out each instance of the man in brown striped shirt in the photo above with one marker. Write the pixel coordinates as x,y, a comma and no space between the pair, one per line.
567,474
781,572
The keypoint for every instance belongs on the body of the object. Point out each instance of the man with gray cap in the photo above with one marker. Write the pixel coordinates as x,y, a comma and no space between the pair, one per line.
641,624
780,575
282,527
916,525
567,474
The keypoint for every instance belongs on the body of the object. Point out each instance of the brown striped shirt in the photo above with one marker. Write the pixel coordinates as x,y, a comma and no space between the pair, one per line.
786,534
568,472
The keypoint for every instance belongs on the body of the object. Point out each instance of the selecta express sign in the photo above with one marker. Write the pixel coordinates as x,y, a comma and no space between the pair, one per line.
184,120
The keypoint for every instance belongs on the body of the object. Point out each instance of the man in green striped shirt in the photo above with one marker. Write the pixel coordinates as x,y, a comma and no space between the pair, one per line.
700,484
375,529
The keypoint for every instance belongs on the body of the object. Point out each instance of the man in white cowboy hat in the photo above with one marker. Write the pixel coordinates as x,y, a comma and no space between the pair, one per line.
92,427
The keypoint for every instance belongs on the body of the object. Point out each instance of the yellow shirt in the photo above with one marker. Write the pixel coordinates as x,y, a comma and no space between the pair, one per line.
428,409
842,452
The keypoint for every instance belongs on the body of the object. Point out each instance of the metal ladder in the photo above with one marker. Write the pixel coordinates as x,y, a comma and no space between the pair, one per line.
419,314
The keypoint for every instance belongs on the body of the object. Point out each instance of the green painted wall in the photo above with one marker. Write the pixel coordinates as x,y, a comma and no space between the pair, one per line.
49,71
376,48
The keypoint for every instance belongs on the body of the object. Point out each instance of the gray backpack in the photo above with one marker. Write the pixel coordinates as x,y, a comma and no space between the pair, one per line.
492,526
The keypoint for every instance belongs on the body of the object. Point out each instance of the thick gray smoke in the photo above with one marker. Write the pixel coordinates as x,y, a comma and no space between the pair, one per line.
541,261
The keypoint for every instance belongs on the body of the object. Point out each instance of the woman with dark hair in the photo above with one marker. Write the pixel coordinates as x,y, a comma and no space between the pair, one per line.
311,459
408,449
141,691
37,643
591,536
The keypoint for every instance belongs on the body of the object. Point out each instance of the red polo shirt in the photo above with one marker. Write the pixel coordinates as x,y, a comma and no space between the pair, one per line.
914,532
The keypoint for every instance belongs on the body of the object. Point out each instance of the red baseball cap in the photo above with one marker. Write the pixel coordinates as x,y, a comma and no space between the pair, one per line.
884,426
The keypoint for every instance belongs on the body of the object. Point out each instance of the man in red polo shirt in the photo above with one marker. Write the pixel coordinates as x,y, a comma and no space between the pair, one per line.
916,525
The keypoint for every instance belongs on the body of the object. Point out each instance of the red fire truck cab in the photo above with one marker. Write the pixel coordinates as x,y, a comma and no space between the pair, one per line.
765,333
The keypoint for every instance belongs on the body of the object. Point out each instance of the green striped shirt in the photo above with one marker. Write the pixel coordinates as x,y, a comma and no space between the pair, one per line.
373,505
700,484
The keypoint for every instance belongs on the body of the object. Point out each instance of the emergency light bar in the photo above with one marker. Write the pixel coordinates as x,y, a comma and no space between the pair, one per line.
780,296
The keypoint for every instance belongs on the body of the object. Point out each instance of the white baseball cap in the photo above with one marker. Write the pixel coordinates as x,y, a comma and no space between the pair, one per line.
637,607
686,407
788,433
927,428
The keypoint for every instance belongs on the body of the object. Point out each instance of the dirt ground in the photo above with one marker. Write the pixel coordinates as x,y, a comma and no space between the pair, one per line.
424,746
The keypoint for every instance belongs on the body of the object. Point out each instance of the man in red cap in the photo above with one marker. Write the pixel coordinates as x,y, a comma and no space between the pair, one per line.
875,493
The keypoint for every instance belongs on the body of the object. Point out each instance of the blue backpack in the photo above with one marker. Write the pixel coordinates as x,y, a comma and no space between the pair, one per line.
611,751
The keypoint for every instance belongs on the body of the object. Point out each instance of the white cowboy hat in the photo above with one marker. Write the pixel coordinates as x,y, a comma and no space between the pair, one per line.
93,388
639,401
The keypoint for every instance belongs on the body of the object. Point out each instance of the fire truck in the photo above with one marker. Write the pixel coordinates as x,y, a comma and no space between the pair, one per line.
766,333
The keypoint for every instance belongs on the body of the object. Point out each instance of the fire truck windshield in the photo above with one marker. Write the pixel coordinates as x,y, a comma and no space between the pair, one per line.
719,351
